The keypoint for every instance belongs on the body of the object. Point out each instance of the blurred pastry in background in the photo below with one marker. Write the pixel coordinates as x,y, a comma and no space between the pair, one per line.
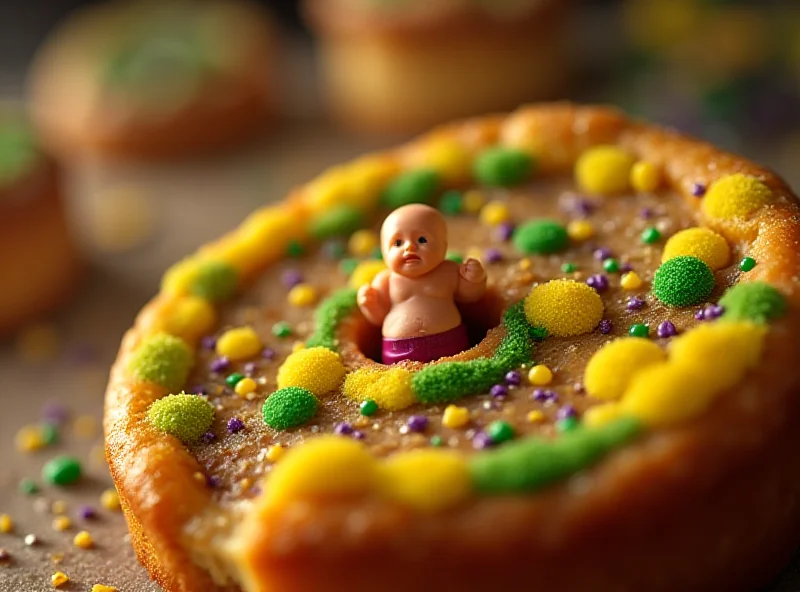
39,261
149,79
404,65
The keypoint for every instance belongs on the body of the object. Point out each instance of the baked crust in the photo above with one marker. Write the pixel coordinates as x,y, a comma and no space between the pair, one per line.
708,505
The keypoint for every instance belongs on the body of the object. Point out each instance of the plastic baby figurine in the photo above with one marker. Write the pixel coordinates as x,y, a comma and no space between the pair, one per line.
414,299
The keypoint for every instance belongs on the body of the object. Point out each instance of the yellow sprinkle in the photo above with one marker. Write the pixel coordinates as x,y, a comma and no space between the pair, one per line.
245,386
455,417
58,579
275,452
85,426
494,213
426,480
389,388
199,477
38,343
302,295
735,196
703,243
62,523
525,264
473,201
317,369
599,415
83,540
580,230
58,507
365,272
447,157
564,307
245,483
645,177
189,317
604,170
239,343
611,368
103,588
362,243
179,278
540,375
631,281
29,439
6,523
109,499
321,468
535,416
56,558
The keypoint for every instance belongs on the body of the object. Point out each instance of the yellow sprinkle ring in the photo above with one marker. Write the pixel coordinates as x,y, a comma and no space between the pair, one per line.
564,308
703,243
735,196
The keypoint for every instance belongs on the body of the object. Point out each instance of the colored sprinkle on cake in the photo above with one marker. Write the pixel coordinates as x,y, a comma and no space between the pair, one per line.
611,368
239,343
564,307
683,281
317,369
390,388
214,281
645,177
604,170
503,167
541,237
62,470
289,407
425,480
162,359
758,302
187,417
340,221
417,186
329,314
735,196
703,243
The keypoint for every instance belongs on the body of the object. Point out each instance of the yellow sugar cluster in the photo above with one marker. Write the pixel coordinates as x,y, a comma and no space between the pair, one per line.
645,177
316,369
331,467
358,184
447,157
188,317
389,387
239,343
365,272
703,243
363,242
564,307
664,388
734,197
604,170
494,213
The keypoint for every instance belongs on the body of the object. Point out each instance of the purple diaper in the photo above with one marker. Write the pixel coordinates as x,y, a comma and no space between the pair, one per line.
426,348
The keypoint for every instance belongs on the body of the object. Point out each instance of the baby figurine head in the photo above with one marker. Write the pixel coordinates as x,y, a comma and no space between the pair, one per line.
414,240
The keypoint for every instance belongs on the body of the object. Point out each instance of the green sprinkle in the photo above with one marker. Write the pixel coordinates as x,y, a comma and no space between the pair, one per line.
683,281
531,463
437,441
334,249
282,329
639,330
568,267
289,407
342,220
611,265
747,264
295,249
502,167
651,235
187,417
450,203
417,186
28,486
541,237
368,407
62,470
567,424
453,256
348,266
328,315
215,281
49,433
162,359
758,302
233,379
500,431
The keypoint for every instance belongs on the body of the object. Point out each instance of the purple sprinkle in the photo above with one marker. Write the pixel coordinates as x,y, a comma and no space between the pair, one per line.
291,277
268,353
492,255
209,342
602,253
544,395
504,231
343,429
605,326
219,364
4,555
54,413
713,311
498,390
417,423
635,303
625,267
598,281
208,437
513,377
481,440
566,411
86,513
583,207
249,368
235,425
700,315
646,213
698,189
199,390
358,435
213,482
666,329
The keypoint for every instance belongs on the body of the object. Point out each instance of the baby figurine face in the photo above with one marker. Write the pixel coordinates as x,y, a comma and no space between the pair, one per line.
414,240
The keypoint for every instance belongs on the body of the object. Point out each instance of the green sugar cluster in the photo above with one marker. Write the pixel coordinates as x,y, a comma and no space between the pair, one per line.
502,167
753,301
289,407
342,220
417,186
683,281
328,315
540,237
162,359
215,281
187,417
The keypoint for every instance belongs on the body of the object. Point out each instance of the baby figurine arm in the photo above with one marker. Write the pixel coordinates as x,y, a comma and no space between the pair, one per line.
373,299
471,281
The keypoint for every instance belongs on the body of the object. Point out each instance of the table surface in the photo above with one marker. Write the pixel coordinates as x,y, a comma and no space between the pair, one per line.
192,202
